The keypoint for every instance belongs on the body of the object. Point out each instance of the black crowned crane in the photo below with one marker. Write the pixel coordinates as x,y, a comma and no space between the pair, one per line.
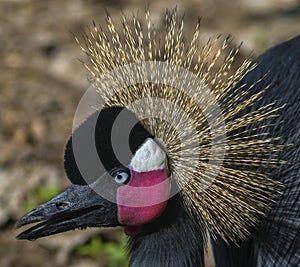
184,146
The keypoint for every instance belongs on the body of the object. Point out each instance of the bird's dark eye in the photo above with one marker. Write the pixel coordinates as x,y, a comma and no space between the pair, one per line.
121,176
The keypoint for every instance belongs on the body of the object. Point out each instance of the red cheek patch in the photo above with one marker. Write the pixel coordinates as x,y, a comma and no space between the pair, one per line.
144,198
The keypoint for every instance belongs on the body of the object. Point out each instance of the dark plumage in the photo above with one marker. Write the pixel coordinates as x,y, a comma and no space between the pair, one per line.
277,240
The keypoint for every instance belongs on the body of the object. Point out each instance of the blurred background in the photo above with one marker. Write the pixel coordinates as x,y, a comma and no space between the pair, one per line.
41,82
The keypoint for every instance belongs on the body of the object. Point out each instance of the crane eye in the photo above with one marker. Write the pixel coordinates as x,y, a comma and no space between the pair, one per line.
121,177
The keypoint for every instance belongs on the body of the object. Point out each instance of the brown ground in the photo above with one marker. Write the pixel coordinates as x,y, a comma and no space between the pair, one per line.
41,82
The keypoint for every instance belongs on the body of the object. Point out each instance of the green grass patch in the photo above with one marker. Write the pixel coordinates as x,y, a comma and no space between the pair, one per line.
39,195
113,253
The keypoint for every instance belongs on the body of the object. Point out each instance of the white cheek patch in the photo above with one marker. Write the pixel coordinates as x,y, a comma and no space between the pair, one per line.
149,157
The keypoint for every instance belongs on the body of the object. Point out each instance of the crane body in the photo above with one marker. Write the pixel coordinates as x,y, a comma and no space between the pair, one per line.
277,240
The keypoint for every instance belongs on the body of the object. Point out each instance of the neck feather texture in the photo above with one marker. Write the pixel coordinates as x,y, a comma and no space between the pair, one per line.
174,239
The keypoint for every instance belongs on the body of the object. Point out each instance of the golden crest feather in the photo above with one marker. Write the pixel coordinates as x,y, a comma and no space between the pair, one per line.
224,188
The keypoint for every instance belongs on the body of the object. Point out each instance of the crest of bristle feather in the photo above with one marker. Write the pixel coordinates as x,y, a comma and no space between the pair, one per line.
235,198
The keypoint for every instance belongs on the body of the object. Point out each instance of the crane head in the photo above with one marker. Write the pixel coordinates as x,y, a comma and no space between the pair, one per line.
213,125
105,191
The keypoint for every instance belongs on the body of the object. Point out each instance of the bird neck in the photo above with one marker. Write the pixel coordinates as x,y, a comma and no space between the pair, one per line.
175,239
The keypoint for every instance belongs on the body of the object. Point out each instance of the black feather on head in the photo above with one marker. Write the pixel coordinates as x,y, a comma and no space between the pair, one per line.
79,148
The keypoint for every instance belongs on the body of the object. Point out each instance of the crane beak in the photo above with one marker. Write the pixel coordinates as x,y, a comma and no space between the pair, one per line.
77,207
